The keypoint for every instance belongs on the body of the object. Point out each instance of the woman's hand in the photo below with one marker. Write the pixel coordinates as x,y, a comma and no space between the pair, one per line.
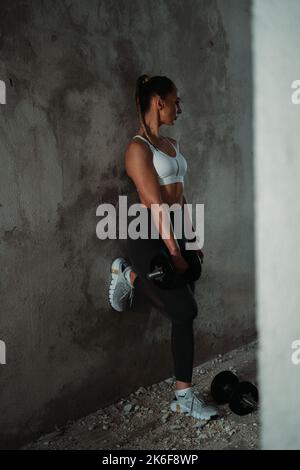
201,255
179,262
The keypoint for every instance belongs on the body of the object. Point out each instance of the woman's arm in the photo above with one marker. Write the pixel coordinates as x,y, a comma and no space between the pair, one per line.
188,222
140,168
187,218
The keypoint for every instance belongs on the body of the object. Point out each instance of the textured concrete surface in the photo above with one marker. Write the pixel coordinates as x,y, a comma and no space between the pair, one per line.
277,175
143,419
70,68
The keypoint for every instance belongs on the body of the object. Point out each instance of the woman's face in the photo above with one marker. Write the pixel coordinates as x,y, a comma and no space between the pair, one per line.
172,107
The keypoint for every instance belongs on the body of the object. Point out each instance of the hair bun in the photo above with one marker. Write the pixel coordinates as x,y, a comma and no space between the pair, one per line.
145,79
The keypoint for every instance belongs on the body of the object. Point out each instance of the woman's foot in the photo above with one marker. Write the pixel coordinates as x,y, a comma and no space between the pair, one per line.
121,286
189,402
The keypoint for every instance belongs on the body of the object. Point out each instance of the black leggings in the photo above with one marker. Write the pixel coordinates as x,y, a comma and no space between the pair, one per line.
179,305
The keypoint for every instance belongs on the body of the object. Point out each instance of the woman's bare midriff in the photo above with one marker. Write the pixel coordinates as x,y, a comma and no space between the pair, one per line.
170,194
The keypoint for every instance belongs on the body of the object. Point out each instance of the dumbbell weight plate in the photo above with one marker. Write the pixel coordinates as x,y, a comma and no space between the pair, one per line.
250,393
172,278
165,281
193,273
223,385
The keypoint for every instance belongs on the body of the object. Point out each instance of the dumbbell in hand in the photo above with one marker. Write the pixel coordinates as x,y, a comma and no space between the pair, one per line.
241,396
164,274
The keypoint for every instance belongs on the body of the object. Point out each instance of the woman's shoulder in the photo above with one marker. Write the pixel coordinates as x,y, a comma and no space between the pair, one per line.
137,149
137,143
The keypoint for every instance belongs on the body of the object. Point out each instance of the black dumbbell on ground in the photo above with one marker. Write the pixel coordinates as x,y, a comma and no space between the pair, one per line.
164,274
241,396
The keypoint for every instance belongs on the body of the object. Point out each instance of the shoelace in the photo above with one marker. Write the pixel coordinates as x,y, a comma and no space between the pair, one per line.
131,296
125,293
197,400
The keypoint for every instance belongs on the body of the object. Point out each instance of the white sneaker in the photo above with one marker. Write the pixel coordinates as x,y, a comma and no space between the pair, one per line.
120,289
193,405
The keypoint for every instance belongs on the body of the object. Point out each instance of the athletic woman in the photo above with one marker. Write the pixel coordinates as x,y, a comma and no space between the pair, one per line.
157,168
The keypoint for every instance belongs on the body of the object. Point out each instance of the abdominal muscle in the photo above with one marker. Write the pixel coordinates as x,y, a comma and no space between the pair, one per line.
170,194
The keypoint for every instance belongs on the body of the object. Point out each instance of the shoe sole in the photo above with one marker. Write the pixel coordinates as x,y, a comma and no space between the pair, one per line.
177,408
115,271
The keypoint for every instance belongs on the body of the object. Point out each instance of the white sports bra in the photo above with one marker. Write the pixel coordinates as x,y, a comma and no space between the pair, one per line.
169,169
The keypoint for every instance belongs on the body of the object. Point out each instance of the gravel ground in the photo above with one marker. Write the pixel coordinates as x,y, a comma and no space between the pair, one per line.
143,420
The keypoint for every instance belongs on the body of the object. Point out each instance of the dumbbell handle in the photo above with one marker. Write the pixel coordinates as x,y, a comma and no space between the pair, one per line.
157,273
249,401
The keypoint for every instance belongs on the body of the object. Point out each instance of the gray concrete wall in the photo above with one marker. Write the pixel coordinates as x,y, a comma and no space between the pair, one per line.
277,191
70,69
